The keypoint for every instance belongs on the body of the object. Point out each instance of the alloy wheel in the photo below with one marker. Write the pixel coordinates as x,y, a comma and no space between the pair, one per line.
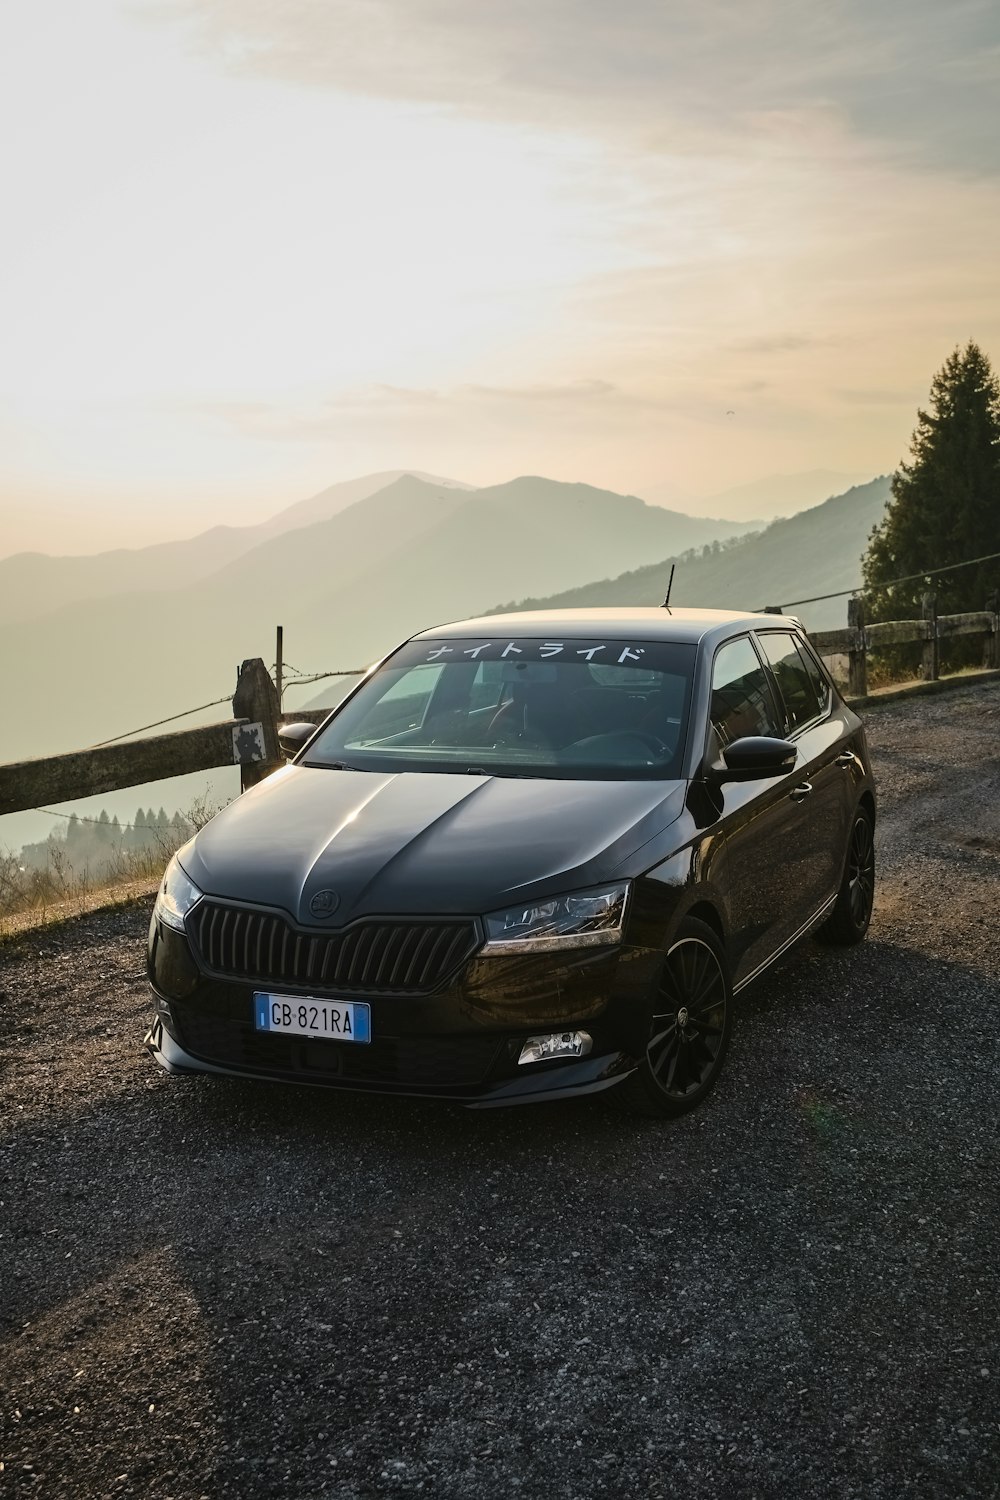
861,871
689,1023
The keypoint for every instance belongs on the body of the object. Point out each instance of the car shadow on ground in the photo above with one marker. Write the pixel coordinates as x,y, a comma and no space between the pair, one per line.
269,1284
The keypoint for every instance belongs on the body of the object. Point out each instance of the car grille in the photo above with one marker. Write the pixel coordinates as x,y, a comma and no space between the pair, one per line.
418,1062
388,957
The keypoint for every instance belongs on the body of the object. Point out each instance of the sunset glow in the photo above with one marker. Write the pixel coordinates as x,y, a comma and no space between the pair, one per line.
253,254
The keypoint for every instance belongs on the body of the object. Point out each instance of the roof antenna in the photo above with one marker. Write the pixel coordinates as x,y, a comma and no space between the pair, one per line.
670,584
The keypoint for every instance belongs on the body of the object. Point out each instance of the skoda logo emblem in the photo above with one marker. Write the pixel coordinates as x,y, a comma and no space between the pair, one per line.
324,903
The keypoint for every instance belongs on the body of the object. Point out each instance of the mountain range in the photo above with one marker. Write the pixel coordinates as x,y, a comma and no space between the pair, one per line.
35,583
98,646
815,552
119,639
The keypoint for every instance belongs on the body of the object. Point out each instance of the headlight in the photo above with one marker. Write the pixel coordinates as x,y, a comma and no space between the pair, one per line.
581,920
176,896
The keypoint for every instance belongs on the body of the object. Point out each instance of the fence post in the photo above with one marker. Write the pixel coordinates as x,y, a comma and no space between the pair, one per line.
991,653
857,668
255,699
931,653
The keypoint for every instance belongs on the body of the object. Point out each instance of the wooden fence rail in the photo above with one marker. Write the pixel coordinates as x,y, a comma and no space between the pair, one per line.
250,738
859,639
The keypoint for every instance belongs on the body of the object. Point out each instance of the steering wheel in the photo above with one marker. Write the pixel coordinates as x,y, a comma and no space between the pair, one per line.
506,728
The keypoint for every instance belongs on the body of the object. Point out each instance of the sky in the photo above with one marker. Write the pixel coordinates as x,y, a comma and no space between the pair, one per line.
668,249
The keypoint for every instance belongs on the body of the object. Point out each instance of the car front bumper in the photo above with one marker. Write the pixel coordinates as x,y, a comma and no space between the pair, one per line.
558,1080
461,1043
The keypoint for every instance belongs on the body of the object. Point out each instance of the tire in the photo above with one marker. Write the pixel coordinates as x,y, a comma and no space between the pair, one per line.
689,1030
848,922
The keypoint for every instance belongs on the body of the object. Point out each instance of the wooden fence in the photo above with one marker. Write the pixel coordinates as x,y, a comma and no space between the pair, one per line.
250,738
859,639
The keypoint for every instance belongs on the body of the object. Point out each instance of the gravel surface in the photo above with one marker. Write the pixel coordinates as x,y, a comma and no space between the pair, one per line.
211,1288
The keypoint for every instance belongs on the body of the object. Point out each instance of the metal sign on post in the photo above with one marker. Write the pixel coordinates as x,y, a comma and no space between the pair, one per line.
248,744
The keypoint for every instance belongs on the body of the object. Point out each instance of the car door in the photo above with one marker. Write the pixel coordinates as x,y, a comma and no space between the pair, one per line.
762,822
821,785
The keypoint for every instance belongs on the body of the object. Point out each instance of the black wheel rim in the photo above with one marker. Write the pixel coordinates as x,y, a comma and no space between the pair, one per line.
861,872
689,1024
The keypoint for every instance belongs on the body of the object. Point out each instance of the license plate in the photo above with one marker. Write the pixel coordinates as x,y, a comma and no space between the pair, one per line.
332,1020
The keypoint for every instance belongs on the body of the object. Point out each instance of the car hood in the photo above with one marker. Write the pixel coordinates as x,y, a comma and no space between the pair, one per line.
422,843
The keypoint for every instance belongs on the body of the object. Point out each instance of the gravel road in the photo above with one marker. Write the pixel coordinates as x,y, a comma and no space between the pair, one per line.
211,1288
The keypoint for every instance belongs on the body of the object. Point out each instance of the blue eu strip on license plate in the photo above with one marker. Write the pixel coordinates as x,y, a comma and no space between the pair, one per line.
295,1015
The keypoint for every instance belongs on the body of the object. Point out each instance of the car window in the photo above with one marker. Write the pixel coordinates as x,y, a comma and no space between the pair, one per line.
794,682
817,676
742,702
573,708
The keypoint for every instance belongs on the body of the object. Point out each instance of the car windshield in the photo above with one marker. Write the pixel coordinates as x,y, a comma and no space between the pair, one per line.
574,709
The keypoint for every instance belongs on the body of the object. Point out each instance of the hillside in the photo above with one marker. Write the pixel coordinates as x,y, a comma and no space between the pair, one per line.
346,589
33,584
815,552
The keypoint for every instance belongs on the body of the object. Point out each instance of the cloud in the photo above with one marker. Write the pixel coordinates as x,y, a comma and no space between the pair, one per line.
781,343
915,75
877,396
573,391
412,408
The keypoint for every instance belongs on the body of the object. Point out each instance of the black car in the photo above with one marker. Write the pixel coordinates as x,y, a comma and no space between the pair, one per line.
529,856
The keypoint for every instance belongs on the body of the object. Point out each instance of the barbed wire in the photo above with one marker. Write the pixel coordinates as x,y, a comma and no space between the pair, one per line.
109,823
157,722
970,562
322,676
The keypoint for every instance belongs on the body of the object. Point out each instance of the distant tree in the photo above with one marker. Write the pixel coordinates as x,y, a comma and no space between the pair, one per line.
945,503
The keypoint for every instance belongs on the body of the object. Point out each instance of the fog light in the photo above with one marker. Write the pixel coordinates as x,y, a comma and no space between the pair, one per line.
556,1044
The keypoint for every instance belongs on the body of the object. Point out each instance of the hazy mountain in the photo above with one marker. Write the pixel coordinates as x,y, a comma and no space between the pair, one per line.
780,494
35,583
338,497
346,590
817,551
763,499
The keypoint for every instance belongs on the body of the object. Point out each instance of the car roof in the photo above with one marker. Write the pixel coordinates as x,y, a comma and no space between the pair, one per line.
648,623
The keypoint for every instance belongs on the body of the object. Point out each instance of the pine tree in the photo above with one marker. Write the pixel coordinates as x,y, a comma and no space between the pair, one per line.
945,505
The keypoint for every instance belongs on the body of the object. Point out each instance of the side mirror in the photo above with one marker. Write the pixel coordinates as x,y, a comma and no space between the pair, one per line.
291,737
756,755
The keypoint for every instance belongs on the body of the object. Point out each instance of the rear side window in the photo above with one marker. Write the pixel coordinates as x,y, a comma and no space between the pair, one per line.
816,675
742,702
795,683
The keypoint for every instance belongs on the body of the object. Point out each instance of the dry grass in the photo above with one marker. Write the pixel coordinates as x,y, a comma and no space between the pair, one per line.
32,896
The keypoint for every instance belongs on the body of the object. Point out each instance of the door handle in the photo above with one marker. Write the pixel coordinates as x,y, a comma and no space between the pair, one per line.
847,759
800,793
